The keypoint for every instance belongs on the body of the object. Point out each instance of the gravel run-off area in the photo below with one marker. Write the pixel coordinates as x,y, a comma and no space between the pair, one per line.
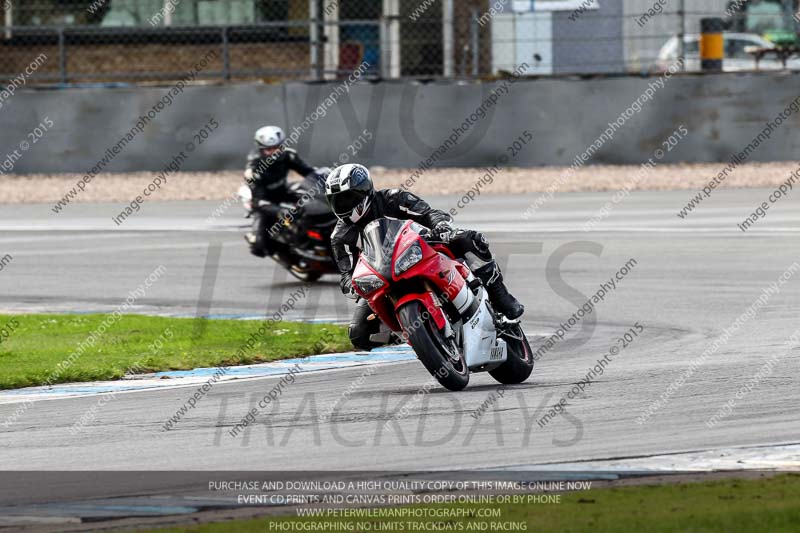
123,187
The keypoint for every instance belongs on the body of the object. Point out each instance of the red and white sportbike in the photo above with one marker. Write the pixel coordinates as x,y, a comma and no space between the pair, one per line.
421,291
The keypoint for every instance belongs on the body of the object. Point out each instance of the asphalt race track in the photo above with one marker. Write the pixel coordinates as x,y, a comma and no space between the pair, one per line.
690,281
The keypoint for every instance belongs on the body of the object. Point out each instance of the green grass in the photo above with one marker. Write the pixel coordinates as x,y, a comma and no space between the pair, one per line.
33,346
768,505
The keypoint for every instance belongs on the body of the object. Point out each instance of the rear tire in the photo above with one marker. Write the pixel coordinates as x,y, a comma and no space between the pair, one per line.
431,347
519,365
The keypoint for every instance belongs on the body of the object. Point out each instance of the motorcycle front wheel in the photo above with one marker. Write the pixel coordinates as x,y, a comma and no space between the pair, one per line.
519,365
440,356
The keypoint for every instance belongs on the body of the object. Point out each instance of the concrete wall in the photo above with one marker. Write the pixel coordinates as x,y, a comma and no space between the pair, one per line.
407,120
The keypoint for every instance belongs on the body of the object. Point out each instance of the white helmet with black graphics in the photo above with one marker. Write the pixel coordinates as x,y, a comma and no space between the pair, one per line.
349,191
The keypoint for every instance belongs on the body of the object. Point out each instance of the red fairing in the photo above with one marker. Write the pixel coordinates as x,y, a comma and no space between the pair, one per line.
441,248
431,306
377,300
363,269
441,271
437,270
463,269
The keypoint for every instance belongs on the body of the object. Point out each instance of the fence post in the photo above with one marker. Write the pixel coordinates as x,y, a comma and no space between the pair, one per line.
62,55
475,39
448,38
167,9
9,18
681,34
391,47
226,55
316,31
383,38
320,47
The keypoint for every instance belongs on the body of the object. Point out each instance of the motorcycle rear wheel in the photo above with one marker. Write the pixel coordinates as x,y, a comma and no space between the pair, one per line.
440,357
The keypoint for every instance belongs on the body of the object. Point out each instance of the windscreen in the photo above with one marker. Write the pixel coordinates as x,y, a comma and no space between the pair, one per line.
378,240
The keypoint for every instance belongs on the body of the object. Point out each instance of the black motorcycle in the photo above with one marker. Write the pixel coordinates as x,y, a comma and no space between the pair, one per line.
301,236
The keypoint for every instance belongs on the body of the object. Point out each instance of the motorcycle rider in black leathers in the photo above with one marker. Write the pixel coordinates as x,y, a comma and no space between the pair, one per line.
268,166
356,203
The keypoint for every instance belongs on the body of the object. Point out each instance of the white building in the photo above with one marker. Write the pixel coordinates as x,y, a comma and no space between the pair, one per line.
592,36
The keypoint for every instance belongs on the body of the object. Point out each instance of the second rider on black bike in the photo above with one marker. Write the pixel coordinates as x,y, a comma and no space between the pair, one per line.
268,166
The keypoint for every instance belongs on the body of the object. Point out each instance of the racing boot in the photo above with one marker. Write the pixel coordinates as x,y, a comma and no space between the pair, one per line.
258,252
255,248
502,301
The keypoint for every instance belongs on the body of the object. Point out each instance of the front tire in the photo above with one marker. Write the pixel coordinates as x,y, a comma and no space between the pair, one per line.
442,360
308,277
519,365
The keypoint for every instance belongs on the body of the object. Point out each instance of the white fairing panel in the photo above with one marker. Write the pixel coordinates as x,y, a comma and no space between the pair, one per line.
246,197
463,299
244,193
480,342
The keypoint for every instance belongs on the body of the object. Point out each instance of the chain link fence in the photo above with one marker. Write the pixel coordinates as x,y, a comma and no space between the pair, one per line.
118,41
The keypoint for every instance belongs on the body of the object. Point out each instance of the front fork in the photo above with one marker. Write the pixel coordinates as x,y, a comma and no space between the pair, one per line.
431,304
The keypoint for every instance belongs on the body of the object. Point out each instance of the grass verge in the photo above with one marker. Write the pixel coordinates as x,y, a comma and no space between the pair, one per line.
48,349
769,504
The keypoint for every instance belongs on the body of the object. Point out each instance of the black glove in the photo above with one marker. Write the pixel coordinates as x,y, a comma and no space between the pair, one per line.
319,174
442,231
346,284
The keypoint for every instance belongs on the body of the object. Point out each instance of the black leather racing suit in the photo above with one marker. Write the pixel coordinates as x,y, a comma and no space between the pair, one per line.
395,203
268,179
